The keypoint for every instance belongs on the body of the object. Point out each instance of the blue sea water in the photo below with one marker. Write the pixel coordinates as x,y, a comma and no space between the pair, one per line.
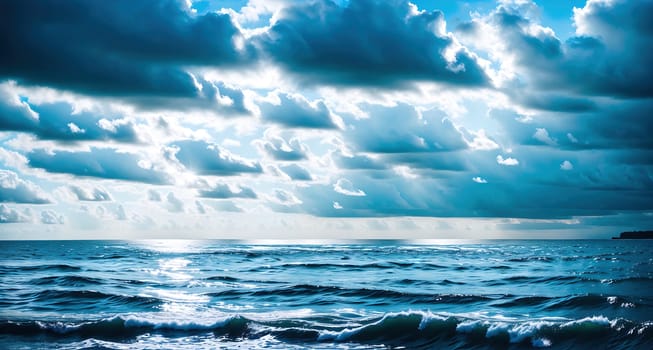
179,294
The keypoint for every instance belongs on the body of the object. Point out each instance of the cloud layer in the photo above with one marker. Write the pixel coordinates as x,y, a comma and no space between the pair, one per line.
161,116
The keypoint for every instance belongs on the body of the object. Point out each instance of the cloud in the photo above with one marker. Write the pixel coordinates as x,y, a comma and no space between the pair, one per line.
402,129
153,195
13,189
103,163
10,215
215,96
120,213
92,195
618,125
479,180
324,43
223,191
449,161
285,198
507,161
601,183
542,135
296,172
210,159
387,196
356,108
200,207
294,111
174,204
566,165
15,114
623,27
12,159
58,121
553,102
609,34
345,187
226,206
50,217
279,149
149,42
479,140
357,161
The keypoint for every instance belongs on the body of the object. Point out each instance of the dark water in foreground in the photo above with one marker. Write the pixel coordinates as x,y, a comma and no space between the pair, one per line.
212,294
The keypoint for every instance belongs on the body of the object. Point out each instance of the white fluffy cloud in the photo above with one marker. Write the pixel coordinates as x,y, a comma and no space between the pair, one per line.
507,161
13,189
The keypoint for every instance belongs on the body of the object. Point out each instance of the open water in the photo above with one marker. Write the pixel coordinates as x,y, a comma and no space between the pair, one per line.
179,294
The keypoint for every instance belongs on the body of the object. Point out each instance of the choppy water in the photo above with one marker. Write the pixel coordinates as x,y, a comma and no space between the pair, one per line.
215,294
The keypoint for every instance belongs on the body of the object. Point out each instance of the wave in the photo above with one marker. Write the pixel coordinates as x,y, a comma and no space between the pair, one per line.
303,290
565,280
587,301
632,279
121,327
592,301
424,328
74,298
223,279
47,267
524,301
410,329
67,281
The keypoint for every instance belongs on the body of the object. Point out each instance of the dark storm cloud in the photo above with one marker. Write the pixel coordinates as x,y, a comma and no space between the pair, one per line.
401,129
13,189
368,42
296,172
57,121
553,102
626,125
98,162
223,191
210,159
518,195
382,197
626,30
296,112
112,47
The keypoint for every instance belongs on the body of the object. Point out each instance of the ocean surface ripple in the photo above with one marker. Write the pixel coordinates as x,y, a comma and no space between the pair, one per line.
177,294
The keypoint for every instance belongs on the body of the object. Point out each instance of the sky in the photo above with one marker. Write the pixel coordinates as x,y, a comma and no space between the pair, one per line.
325,119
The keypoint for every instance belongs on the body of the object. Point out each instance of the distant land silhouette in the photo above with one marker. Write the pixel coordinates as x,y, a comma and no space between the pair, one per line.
635,235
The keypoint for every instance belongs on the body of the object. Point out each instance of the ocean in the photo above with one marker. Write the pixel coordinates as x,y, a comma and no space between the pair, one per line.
178,294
